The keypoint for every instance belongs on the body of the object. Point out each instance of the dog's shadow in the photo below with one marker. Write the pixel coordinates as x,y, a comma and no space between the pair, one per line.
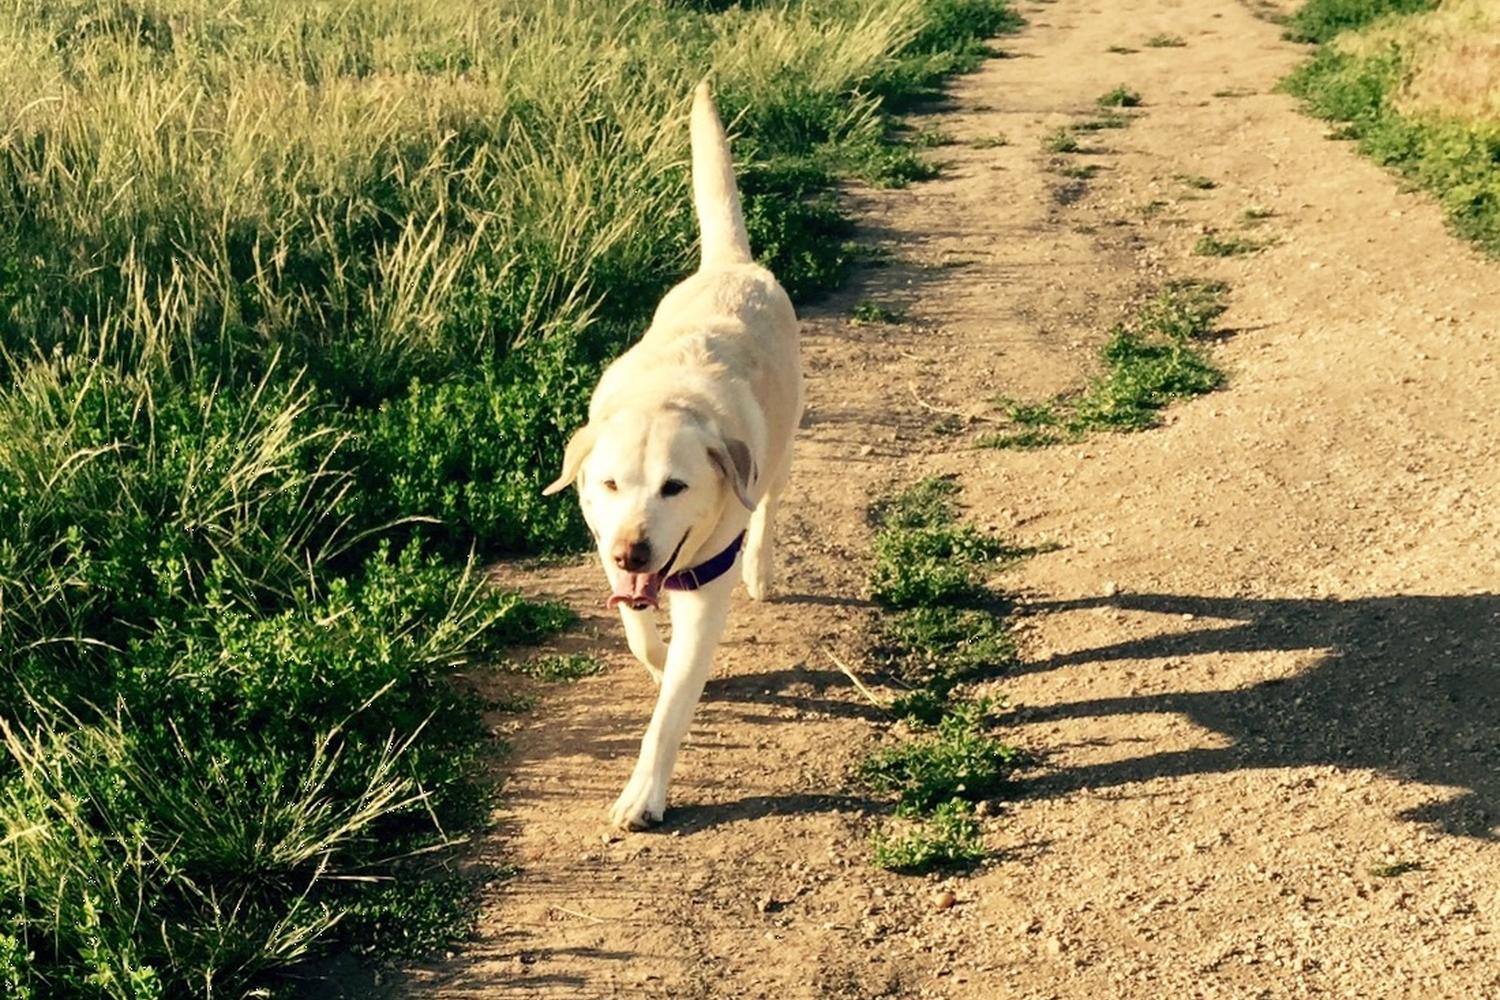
1408,686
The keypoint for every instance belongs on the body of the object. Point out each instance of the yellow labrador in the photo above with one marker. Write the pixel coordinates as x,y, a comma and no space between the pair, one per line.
686,451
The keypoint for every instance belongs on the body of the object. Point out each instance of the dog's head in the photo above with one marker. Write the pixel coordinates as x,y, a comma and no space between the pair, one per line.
653,485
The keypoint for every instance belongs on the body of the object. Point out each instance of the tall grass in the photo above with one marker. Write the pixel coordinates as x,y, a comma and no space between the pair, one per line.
297,302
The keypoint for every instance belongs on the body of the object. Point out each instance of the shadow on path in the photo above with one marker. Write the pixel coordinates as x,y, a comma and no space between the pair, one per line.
1408,686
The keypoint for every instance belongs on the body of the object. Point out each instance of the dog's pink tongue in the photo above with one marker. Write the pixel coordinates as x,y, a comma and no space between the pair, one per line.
635,590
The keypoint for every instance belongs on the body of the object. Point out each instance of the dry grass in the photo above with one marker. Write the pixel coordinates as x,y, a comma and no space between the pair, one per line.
1452,56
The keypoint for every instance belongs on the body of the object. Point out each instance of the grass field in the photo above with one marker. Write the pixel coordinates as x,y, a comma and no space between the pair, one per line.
1417,84
297,302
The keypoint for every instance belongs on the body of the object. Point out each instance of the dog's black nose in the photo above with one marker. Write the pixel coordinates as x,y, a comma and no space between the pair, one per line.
632,557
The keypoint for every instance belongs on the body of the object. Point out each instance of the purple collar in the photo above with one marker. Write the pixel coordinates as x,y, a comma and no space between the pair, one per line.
706,572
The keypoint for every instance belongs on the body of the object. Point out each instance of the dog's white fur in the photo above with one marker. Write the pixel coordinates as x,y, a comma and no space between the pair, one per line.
710,399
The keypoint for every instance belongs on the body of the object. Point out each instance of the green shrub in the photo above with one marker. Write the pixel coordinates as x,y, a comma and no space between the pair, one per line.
1321,20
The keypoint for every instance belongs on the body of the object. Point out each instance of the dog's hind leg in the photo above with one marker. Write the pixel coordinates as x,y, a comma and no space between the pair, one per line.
759,568
644,640
697,624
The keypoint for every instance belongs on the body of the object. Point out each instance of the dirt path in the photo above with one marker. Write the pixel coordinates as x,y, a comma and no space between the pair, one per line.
1265,660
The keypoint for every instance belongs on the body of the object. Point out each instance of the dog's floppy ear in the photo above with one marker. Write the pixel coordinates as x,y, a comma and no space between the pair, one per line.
733,458
579,446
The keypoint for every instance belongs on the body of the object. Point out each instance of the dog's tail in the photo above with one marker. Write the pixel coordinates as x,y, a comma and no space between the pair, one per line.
720,221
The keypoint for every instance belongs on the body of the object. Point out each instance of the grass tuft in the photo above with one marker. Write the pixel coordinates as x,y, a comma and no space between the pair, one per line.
1165,41
1148,362
1212,245
950,838
1119,97
877,313
1060,141
937,635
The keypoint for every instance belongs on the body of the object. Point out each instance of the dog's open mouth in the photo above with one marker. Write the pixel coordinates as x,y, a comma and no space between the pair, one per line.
640,591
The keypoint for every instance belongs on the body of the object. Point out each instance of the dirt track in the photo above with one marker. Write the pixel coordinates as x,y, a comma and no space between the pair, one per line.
1265,659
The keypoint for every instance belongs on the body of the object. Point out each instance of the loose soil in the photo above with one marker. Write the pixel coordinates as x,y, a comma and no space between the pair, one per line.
1261,673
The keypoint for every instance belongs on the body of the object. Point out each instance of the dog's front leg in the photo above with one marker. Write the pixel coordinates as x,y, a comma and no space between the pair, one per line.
644,640
697,624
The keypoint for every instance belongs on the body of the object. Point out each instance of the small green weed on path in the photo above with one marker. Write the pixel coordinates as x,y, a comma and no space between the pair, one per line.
939,632
1212,245
1198,182
872,313
1165,42
1060,141
1148,362
1120,97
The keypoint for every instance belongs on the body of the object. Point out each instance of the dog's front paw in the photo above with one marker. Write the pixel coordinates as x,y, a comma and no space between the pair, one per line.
639,807
758,577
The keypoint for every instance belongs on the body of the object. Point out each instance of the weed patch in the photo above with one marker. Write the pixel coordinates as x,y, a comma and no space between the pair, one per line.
1165,42
1107,121
561,666
1198,182
1060,141
949,838
1147,363
874,313
990,142
940,632
1119,97
1212,245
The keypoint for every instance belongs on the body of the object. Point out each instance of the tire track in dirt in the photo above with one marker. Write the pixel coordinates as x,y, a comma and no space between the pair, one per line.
1264,663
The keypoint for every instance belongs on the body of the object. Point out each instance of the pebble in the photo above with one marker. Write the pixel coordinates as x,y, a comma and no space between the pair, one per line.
944,899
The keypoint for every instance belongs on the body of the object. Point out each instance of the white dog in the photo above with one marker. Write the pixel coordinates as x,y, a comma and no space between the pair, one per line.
689,441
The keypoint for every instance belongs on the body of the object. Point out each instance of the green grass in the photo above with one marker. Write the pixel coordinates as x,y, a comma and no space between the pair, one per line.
561,666
1213,245
956,759
990,142
1105,121
1165,42
297,306
1075,171
950,838
1120,97
1257,214
1322,20
876,313
940,632
1148,362
1060,141
1395,869
1454,158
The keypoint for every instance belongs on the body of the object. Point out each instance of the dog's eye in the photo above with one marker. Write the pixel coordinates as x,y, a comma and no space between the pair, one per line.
672,487
610,485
